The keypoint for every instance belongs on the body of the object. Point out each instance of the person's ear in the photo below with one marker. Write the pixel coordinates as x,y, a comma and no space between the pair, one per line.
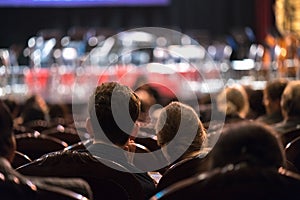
89,127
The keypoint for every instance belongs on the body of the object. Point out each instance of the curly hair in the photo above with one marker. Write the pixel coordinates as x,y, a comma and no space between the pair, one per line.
110,106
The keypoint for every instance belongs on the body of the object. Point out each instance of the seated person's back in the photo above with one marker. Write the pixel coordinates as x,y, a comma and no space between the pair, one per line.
7,152
180,133
290,107
271,99
113,109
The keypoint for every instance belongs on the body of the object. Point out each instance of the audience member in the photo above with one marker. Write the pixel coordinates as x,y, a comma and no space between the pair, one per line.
247,162
59,114
14,107
107,179
271,99
34,108
255,144
180,132
149,97
256,106
290,107
233,102
113,110
7,152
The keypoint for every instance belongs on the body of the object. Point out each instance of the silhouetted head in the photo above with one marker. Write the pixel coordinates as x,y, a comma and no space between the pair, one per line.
35,108
113,110
272,94
253,143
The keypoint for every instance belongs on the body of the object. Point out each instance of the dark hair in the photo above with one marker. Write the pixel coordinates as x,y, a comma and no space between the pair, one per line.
254,143
35,108
111,101
275,88
6,131
152,93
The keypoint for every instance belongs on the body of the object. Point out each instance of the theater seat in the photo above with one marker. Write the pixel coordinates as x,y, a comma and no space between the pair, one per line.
235,182
66,134
37,125
80,146
289,135
35,144
107,179
183,169
141,161
148,142
292,151
20,159
13,188
57,193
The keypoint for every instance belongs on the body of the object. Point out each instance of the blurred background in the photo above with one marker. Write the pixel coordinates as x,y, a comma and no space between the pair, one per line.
213,18
46,46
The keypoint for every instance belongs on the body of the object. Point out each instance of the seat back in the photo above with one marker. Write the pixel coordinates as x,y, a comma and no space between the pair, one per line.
148,142
183,169
20,159
235,182
37,125
142,162
292,151
35,145
58,193
19,129
107,179
289,135
81,146
67,134
13,188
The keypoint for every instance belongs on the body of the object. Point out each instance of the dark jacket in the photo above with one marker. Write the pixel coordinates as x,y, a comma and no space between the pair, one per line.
113,153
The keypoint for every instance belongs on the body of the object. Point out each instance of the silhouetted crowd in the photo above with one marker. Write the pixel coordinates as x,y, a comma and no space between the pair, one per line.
239,143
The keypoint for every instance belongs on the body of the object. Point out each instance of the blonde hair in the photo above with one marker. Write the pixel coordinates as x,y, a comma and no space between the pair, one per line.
290,99
177,116
233,100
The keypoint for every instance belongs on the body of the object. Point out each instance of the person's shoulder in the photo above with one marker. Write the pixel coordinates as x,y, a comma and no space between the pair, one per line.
147,183
270,119
283,127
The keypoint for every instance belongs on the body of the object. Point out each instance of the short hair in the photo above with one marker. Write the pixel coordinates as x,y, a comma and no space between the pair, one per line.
109,102
177,116
35,108
254,143
290,99
233,100
275,88
6,131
